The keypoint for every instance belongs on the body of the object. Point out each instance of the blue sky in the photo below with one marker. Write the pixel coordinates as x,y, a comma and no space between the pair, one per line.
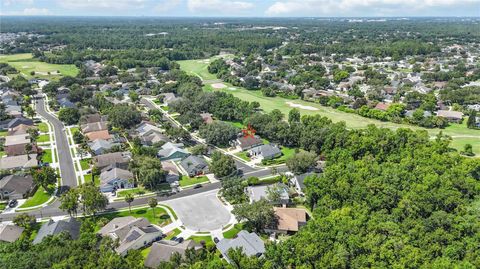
240,8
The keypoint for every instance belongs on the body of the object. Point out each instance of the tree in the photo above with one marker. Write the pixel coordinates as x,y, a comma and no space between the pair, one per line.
24,220
200,149
301,162
257,215
293,116
34,134
69,115
30,112
472,120
148,171
468,150
44,176
78,137
69,202
129,199
218,133
152,202
124,116
233,190
133,96
92,199
222,165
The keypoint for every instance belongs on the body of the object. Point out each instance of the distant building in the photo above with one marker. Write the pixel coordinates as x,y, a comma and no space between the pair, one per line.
452,116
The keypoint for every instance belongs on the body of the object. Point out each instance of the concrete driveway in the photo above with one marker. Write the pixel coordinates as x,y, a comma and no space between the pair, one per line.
201,212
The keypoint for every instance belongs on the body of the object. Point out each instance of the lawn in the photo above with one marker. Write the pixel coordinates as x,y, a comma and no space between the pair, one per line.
145,252
173,233
233,231
135,191
2,153
237,124
43,138
286,154
25,64
85,164
200,238
166,108
3,133
74,130
188,181
40,197
161,216
88,178
243,155
47,156
3,206
354,121
43,127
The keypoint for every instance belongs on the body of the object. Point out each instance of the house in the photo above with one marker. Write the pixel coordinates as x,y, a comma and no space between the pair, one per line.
207,118
172,172
298,181
17,121
171,151
104,134
256,193
289,220
250,243
65,103
100,146
162,250
20,129
169,97
70,226
452,116
15,144
94,126
382,106
114,178
18,162
10,233
248,142
131,233
16,187
92,118
147,128
152,137
117,159
265,152
194,165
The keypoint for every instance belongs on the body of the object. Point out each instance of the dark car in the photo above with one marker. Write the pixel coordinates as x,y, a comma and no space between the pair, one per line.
197,186
174,238
216,240
180,240
13,203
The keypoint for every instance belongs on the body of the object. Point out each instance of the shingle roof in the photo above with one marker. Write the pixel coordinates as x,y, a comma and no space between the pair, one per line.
290,219
10,233
250,243
71,226
16,184
266,150
164,249
249,141
114,173
21,161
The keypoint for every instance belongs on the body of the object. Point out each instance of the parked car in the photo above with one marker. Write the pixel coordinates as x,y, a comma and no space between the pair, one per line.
215,239
197,186
180,240
13,203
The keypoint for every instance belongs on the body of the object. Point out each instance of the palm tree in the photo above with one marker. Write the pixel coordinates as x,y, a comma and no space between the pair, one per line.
129,199
152,202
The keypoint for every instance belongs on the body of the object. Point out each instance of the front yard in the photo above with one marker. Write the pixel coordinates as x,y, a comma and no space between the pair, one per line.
47,156
85,164
43,138
40,197
161,217
42,127
189,181
243,155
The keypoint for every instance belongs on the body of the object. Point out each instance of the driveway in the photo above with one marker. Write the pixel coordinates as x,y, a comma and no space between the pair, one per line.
201,212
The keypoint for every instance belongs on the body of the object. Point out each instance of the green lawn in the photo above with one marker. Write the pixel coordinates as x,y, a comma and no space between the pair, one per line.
3,133
199,238
47,156
145,252
233,231
457,131
85,163
286,154
173,233
2,153
166,108
3,206
135,191
188,181
40,197
43,127
243,155
237,124
88,178
25,64
43,138
161,216
74,130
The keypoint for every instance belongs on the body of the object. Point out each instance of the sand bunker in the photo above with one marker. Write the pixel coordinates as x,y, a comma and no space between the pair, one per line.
218,86
301,106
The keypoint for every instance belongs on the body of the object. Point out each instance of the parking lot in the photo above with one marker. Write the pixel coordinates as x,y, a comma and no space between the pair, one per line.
201,212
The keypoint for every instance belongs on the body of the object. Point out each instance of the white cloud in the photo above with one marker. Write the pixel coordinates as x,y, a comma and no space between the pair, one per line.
167,5
349,7
103,4
36,11
220,6
17,2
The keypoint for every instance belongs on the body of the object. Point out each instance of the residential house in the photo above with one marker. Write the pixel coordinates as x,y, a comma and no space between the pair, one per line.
116,159
146,127
250,243
131,233
20,129
70,226
172,172
100,146
19,162
114,178
16,187
265,152
248,142
194,165
256,193
65,103
15,144
93,118
298,181
289,220
452,116
382,106
152,137
171,151
10,233
162,250
94,126
17,121
104,135
169,97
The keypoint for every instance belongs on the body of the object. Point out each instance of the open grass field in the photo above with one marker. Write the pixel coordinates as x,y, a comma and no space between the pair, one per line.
459,132
25,64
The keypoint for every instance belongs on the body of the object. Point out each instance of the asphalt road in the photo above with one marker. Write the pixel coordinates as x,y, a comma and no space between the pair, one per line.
67,169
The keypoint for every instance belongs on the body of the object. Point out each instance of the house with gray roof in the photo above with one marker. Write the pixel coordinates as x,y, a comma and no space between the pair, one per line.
10,233
115,159
256,193
100,146
16,187
298,181
131,233
171,151
265,152
115,178
162,250
452,116
17,121
19,162
70,226
194,165
169,97
250,243
248,142
172,172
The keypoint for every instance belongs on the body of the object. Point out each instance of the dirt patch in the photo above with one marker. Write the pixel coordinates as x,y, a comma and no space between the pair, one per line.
291,104
218,86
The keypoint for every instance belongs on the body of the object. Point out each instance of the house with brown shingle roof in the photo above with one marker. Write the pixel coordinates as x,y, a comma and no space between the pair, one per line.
289,219
104,134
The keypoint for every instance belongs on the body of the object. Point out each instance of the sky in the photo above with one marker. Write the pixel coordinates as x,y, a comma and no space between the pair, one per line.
243,8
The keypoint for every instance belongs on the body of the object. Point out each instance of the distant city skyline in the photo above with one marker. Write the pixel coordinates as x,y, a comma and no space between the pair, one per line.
244,8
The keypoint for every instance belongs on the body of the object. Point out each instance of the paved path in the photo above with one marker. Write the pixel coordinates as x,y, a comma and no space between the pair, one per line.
67,169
